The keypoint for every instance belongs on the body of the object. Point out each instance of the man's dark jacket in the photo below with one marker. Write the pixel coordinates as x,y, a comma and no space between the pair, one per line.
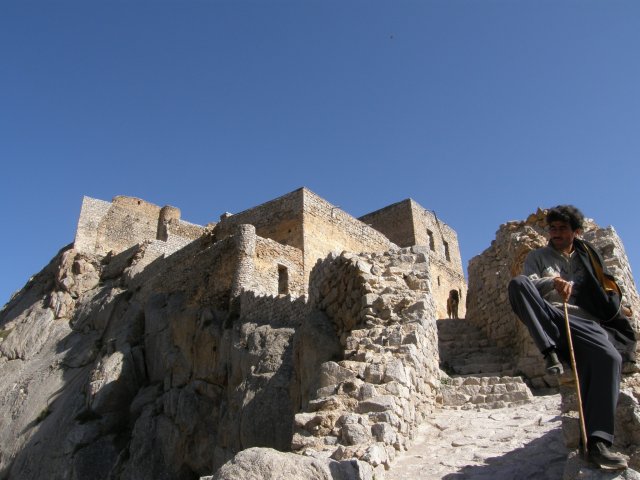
600,295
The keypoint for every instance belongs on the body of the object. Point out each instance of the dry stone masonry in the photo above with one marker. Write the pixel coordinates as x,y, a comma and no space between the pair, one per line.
367,405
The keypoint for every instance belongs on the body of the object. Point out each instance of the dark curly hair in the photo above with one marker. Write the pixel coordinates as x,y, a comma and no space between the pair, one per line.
566,213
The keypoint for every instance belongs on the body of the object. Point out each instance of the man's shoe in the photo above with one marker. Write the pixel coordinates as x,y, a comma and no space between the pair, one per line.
554,367
602,457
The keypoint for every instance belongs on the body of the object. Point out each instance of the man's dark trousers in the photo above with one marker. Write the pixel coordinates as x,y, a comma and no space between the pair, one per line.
597,360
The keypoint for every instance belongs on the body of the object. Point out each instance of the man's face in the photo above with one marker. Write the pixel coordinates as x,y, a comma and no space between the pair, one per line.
561,236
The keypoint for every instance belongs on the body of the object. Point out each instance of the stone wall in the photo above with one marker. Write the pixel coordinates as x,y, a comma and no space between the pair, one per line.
444,254
303,220
368,401
105,227
275,310
615,258
92,212
407,223
395,221
490,272
128,221
279,219
278,269
327,229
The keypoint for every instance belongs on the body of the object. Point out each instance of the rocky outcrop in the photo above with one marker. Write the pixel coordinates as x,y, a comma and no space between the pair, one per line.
269,464
122,367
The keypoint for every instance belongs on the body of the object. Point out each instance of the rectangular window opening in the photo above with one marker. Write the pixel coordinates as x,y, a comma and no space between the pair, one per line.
283,280
432,245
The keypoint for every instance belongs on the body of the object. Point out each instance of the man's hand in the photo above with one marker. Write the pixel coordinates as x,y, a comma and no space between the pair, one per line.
563,287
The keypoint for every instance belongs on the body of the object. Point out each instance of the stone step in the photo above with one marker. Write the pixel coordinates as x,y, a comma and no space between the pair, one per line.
460,341
495,352
465,350
486,392
481,374
458,325
475,357
479,368
472,357
471,331
483,368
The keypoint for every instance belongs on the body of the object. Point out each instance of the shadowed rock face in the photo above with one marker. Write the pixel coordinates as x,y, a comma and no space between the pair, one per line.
117,367
152,381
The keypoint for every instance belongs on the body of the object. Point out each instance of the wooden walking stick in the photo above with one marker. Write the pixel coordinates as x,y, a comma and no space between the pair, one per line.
583,428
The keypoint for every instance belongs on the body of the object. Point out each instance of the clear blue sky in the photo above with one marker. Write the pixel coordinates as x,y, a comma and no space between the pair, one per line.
479,110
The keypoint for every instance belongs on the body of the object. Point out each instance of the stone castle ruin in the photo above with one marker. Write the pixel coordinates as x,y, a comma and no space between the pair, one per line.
304,227
290,340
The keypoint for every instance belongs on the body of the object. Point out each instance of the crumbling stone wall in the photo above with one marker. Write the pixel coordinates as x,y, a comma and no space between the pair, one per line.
327,229
615,258
406,223
367,403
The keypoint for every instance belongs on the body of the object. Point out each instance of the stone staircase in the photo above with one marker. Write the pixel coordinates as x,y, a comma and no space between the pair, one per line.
479,375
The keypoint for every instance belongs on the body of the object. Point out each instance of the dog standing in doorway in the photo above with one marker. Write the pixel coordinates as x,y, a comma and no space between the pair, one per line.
452,304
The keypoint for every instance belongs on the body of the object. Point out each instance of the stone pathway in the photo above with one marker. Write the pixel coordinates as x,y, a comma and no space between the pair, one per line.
518,443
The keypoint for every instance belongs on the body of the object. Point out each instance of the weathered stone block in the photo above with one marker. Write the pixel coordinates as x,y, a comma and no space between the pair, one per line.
377,404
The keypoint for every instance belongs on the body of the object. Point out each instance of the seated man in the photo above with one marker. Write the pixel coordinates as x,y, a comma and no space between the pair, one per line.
570,270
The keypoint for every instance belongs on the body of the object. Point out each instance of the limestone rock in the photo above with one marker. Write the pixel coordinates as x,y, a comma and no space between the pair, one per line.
268,464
